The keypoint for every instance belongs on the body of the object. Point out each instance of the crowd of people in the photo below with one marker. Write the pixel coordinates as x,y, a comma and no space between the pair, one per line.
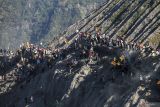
86,44
5,52
31,59
87,41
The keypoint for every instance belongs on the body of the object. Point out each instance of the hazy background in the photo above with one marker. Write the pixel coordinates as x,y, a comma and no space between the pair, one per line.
39,20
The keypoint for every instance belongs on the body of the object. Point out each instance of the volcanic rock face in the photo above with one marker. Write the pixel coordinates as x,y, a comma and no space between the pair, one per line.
96,84
136,20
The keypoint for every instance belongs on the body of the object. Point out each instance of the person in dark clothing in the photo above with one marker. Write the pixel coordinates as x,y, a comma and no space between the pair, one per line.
75,44
118,42
23,49
113,42
26,100
84,53
81,35
1,51
98,37
89,36
148,50
132,45
49,63
62,54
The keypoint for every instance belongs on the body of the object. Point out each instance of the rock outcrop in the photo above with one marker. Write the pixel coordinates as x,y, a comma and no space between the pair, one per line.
96,84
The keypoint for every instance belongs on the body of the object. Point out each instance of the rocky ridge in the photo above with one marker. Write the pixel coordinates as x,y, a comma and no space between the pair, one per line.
91,85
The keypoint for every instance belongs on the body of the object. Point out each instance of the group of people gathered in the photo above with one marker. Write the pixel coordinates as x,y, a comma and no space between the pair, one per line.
28,60
87,43
31,59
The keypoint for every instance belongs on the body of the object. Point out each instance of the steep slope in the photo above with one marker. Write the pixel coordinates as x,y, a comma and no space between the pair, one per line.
133,20
85,85
94,85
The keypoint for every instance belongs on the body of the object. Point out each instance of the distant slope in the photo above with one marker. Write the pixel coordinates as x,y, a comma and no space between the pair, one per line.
134,20
36,20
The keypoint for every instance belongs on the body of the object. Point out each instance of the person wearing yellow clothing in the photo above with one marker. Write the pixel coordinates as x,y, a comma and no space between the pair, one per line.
67,42
118,63
122,58
114,61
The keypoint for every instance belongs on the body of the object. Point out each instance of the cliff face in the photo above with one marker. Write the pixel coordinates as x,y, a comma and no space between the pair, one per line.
38,20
